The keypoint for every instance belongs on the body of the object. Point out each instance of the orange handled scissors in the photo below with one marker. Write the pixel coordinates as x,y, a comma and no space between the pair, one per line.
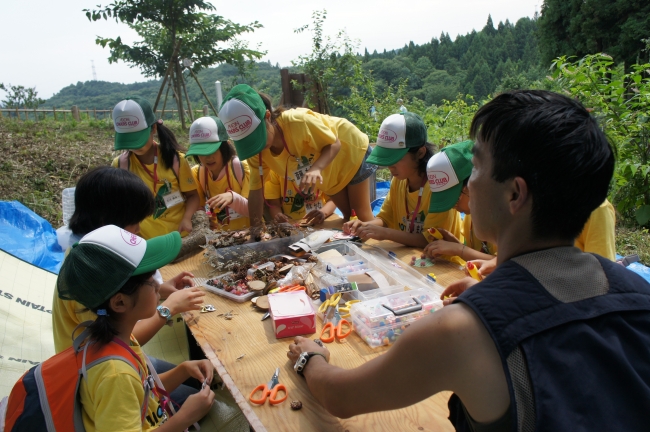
334,328
269,390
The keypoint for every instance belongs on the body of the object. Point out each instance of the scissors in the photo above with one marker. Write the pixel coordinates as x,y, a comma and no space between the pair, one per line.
331,302
334,328
269,390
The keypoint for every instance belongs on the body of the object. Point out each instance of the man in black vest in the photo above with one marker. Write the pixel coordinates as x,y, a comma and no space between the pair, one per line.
555,339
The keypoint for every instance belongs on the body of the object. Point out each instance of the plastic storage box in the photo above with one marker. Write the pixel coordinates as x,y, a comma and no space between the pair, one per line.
238,298
380,321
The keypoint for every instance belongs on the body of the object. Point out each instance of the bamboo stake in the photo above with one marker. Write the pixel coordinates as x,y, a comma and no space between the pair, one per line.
167,73
203,91
187,98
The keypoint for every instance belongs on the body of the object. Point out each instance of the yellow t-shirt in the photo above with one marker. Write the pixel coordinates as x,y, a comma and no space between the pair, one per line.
306,133
66,315
216,187
474,242
112,397
294,204
164,220
598,235
393,213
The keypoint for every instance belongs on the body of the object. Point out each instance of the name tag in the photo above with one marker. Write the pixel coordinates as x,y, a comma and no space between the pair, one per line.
314,206
233,214
173,199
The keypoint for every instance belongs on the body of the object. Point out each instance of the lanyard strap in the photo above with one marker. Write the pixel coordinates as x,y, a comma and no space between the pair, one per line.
206,190
417,206
286,178
154,176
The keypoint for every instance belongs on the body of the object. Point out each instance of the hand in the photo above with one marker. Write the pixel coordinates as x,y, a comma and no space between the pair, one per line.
202,370
185,225
455,289
220,201
352,226
315,217
178,282
281,218
301,344
443,247
309,181
485,267
196,406
184,300
370,231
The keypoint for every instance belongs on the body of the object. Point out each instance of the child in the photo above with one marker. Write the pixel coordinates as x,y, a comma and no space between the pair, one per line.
322,154
404,217
110,272
161,166
454,162
222,179
290,205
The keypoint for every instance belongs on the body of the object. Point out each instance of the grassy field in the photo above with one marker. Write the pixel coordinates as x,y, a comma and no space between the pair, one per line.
40,159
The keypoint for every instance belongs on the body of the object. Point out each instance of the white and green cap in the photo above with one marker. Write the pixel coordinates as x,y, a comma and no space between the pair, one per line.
104,259
446,172
397,133
206,136
242,112
132,120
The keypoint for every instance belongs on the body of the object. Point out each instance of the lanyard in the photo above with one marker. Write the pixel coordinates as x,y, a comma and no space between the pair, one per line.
154,176
206,190
417,206
484,246
286,177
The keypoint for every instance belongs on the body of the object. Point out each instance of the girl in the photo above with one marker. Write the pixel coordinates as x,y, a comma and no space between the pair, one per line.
404,217
110,272
455,161
161,166
322,154
290,205
222,179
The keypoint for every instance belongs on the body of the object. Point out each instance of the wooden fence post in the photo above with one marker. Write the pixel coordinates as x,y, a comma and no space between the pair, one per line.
75,113
54,112
205,110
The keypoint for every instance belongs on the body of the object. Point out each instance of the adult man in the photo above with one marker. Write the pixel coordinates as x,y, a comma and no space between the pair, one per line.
555,339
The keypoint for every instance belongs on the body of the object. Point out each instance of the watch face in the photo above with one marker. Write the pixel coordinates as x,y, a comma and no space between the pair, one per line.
164,311
301,362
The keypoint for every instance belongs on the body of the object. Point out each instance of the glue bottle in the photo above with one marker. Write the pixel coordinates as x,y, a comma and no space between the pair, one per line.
473,272
353,216
435,233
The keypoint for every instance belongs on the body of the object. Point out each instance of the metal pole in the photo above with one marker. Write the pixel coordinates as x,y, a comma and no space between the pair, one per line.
217,85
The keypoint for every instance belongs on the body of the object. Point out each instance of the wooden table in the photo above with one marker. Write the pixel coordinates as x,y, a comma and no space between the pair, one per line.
224,341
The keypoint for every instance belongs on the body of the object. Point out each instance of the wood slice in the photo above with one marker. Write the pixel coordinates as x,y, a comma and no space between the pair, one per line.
257,285
262,303
285,269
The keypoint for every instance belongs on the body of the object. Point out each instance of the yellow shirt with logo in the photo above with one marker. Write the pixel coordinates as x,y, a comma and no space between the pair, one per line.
216,187
474,242
164,220
112,396
66,315
393,213
306,133
598,235
294,204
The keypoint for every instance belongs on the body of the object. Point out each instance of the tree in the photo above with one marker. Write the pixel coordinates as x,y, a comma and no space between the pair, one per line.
21,97
165,25
578,27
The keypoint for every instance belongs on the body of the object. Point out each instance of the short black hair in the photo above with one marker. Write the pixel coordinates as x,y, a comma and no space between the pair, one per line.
109,196
557,147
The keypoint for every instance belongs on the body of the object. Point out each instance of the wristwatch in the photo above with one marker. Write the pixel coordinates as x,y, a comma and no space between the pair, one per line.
303,358
164,312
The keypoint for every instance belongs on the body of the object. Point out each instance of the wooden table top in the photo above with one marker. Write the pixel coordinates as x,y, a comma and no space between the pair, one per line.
226,341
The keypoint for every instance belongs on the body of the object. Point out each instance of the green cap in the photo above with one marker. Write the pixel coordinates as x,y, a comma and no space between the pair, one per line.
446,172
206,136
398,133
242,112
132,120
103,260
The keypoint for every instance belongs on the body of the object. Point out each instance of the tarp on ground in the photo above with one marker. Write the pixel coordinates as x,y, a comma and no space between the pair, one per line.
26,235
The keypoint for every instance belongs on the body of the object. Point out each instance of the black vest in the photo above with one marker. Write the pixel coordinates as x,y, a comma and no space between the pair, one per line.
572,363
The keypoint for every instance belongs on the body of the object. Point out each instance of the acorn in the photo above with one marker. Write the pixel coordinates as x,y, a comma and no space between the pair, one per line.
296,405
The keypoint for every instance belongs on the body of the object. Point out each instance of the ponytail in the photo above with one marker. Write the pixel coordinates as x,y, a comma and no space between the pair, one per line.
169,147
103,330
422,163
275,113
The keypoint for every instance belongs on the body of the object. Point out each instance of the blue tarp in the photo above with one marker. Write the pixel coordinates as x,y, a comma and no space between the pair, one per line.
27,236
382,191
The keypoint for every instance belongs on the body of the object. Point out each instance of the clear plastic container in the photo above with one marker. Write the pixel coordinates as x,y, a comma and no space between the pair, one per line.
237,298
380,321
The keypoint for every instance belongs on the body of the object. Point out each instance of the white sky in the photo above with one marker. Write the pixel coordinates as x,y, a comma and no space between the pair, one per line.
57,46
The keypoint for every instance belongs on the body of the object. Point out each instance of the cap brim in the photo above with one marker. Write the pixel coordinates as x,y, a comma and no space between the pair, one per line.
203,149
445,200
386,157
160,252
133,140
252,144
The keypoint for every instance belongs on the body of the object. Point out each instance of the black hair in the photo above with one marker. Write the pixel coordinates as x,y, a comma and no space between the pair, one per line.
102,330
275,113
431,149
557,147
227,153
109,196
169,147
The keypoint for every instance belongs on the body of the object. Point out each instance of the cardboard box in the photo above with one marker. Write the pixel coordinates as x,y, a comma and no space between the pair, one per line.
292,314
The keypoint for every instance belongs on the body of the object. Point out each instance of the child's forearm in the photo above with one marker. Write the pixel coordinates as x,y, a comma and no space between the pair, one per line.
327,155
469,254
191,203
174,377
256,207
329,208
239,204
407,239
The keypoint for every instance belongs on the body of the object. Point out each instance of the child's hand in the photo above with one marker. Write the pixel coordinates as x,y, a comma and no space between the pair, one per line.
184,300
196,406
485,267
315,217
220,201
178,282
310,180
185,225
443,247
352,226
370,231
281,218
455,289
202,370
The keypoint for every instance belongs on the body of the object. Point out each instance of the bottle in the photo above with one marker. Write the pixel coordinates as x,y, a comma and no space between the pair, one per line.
353,216
473,272
435,233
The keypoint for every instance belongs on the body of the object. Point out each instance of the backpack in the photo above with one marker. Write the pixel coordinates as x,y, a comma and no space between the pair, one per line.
46,397
124,163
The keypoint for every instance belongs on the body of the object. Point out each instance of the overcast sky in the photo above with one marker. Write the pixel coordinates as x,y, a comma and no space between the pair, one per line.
49,44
